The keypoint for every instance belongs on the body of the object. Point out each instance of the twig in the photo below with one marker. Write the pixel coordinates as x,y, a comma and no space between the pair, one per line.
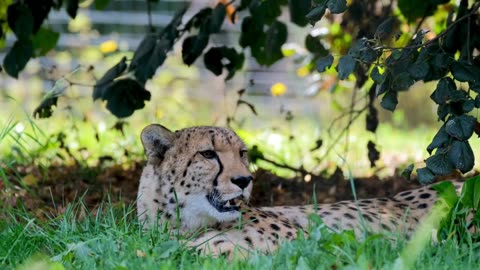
285,166
149,13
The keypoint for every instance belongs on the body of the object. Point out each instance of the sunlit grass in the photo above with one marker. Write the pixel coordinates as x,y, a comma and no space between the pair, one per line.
111,238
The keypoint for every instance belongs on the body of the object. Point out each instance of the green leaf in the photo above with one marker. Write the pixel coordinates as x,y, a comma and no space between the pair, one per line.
425,176
18,57
346,65
218,58
439,164
465,72
298,11
337,6
419,71
413,9
446,191
470,195
441,139
461,155
402,81
46,107
252,34
101,4
103,83
125,96
72,8
193,47
407,172
217,18
468,106
276,36
385,28
316,14
376,76
389,101
323,63
44,41
314,45
461,127
20,20
443,92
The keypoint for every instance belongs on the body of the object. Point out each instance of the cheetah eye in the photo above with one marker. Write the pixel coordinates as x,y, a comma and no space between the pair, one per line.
208,154
243,153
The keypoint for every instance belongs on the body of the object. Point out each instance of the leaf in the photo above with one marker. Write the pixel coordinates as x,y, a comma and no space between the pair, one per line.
439,164
346,65
20,19
402,81
217,18
276,36
461,155
441,139
151,52
407,172
337,6
419,71
324,62
465,72
314,45
252,34
468,106
425,176
316,14
376,76
445,88
413,9
46,107
72,8
477,101
298,11
125,96
218,58
373,154
446,191
193,47
103,83
461,127
389,101
18,57
101,4
385,28
470,195
44,41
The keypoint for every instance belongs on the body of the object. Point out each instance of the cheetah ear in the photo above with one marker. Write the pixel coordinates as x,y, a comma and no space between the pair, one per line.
156,140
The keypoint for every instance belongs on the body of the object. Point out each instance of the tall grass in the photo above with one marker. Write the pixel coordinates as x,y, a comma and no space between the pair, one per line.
111,238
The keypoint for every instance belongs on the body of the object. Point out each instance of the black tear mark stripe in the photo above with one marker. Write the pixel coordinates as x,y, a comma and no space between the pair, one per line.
215,181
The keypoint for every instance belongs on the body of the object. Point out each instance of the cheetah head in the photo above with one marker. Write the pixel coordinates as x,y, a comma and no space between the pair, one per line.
197,175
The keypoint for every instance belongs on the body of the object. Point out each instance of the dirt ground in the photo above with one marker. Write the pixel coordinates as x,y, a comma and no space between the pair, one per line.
47,191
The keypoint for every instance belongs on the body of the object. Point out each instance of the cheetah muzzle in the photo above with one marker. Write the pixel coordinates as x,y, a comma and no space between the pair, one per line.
200,177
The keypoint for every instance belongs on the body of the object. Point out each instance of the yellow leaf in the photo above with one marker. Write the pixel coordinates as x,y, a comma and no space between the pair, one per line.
30,180
278,89
108,46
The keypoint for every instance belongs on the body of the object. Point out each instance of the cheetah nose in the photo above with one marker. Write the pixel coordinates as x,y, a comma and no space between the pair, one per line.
242,181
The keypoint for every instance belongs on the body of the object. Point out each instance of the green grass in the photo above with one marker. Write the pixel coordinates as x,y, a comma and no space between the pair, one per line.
113,239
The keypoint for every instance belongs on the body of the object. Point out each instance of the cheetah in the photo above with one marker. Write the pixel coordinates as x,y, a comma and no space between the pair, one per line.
198,180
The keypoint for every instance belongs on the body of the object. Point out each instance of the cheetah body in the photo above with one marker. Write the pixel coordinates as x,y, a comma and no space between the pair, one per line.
197,179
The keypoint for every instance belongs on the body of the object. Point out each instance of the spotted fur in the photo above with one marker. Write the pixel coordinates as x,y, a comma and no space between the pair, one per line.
198,176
